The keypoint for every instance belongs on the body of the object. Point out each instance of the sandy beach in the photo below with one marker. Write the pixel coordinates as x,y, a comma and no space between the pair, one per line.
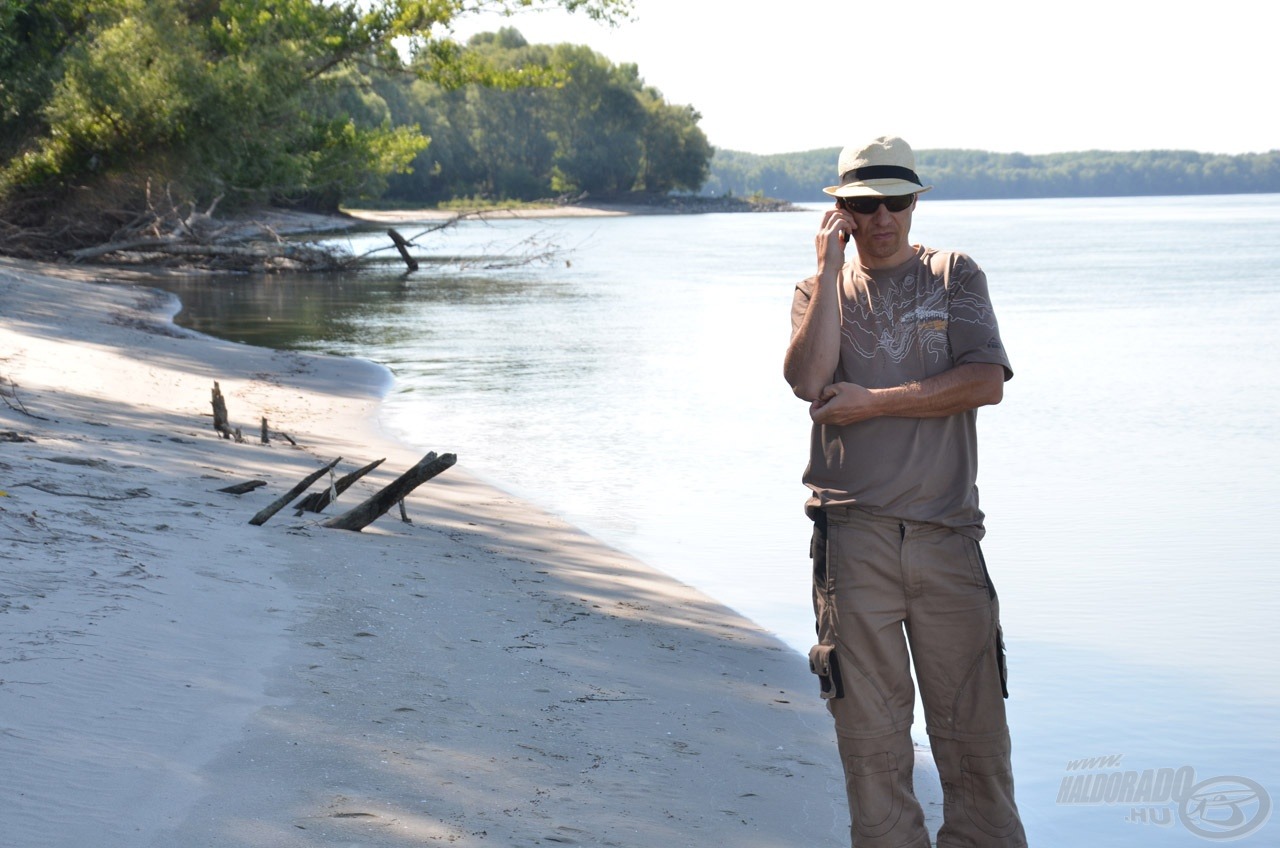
485,675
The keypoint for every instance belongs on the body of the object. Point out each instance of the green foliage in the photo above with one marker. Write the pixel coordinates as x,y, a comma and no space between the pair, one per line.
584,125
981,174
34,37
122,94
245,99
676,154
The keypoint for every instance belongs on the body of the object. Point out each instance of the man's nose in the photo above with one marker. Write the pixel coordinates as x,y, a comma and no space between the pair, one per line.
882,214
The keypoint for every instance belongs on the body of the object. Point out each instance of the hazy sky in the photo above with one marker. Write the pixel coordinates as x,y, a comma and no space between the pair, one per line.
788,75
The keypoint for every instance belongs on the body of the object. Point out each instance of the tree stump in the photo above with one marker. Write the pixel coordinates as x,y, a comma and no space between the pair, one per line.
220,412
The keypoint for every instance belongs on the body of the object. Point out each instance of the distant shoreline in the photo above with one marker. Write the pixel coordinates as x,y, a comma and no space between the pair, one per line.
672,205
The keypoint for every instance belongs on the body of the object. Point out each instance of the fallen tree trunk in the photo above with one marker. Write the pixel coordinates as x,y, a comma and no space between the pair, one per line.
148,243
311,257
366,513
280,502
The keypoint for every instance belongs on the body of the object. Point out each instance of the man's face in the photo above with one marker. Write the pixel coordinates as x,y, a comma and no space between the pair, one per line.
882,237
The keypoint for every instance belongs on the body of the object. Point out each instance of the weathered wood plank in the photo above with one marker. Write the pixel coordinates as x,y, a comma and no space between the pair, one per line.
280,502
317,501
242,488
366,513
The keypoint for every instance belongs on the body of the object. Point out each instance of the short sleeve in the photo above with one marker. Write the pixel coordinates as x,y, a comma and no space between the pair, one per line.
974,334
800,303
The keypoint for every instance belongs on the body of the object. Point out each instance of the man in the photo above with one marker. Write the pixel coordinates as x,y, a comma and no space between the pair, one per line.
895,350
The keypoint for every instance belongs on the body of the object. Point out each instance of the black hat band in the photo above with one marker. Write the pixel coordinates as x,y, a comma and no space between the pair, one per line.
881,172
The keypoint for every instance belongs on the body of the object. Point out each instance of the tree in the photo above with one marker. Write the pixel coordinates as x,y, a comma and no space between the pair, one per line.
585,125
983,174
676,154
106,101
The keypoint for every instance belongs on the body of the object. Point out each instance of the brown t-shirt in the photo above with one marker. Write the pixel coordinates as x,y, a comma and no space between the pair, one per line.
899,325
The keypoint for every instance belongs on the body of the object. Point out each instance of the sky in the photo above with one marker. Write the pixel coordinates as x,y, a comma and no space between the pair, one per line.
1031,77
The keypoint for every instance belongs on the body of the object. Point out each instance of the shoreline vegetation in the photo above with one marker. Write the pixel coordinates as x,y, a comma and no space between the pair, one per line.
986,175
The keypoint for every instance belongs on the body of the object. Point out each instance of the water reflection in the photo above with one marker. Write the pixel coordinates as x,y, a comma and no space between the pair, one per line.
337,312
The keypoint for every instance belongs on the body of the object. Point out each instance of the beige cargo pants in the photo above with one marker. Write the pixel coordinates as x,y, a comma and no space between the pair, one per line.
879,586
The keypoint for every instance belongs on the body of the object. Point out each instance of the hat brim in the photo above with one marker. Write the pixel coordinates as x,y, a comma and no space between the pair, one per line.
876,188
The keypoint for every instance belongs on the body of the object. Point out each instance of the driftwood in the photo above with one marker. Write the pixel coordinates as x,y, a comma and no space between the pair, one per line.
144,232
367,512
220,412
150,243
242,488
280,502
317,501
9,394
315,257
403,247
266,437
55,489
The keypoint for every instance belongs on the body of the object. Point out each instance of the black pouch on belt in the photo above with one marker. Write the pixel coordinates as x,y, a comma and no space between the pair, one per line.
824,663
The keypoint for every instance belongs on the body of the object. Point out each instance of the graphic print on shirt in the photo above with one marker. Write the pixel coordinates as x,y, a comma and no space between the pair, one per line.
911,315
897,321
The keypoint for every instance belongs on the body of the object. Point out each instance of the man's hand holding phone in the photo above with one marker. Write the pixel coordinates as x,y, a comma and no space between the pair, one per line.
836,230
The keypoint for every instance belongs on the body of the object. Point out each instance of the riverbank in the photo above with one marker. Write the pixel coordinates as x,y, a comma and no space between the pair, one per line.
295,223
280,240
171,675
591,207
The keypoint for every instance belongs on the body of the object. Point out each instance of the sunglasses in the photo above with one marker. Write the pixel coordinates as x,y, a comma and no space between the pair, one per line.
869,205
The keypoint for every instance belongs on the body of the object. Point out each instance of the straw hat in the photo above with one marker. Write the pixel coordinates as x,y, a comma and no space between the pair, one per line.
885,167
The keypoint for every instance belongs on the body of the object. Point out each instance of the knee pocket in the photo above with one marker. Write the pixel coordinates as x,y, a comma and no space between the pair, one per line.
988,795
875,786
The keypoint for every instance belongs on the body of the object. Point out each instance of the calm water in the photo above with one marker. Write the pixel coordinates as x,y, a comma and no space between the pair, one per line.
634,386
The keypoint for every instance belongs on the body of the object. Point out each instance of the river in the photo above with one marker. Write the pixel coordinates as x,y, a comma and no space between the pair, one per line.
631,382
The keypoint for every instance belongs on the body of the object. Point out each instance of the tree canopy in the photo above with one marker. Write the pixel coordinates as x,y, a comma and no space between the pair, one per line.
107,106
595,127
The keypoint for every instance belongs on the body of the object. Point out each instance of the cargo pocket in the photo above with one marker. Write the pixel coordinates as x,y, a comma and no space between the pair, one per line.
988,795
1000,660
875,793
824,663
818,550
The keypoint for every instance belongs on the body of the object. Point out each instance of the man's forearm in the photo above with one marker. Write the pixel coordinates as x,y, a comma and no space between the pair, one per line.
960,389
